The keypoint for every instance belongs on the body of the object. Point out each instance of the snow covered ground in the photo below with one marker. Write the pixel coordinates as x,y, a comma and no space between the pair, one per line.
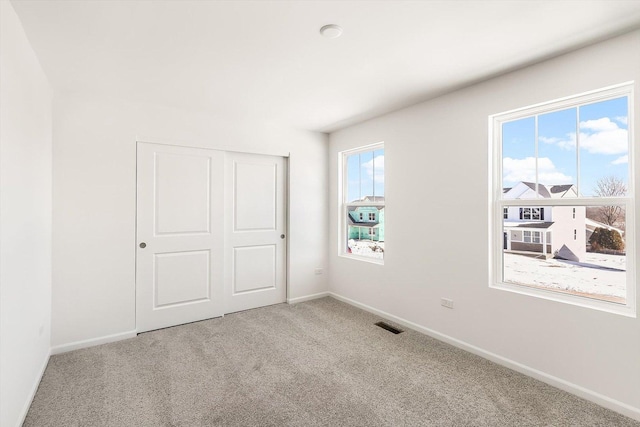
366,248
597,274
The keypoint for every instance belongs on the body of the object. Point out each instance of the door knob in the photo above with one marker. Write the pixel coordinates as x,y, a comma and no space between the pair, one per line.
143,245
282,236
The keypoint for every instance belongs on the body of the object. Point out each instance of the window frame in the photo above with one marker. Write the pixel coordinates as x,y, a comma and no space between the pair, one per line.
344,204
497,203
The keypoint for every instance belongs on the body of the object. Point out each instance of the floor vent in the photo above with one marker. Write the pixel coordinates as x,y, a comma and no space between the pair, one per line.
389,328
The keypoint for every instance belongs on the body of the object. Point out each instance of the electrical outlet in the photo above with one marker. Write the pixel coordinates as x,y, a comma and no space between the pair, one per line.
318,271
446,302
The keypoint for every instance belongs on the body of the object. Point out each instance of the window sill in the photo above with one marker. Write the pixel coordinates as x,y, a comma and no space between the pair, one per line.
362,258
627,310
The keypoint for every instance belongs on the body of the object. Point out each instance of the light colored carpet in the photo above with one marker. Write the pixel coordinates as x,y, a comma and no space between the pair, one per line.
318,363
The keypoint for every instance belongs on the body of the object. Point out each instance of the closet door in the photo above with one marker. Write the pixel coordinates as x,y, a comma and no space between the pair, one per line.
180,235
255,249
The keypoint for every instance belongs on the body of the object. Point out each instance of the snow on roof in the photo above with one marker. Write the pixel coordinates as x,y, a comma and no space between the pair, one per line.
372,199
546,191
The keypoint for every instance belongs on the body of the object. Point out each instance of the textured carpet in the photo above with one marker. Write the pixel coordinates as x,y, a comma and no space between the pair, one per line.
318,363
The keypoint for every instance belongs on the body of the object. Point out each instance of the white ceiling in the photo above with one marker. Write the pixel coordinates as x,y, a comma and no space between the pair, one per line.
266,60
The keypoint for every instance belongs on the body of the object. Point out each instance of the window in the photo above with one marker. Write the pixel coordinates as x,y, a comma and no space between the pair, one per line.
532,237
536,214
362,203
566,165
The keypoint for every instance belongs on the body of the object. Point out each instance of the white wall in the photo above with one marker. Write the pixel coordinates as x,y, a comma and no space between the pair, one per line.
436,163
94,169
25,219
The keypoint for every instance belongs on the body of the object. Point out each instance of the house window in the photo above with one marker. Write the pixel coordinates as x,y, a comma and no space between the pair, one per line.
362,203
531,237
535,214
505,213
567,163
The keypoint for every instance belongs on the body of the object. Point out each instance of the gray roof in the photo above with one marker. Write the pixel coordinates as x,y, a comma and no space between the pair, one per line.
543,225
353,222
560,188
542,190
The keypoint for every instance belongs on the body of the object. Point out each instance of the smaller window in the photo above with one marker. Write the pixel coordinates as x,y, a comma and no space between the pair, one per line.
363,203
575,234
505,213
574,213
534,214
531,237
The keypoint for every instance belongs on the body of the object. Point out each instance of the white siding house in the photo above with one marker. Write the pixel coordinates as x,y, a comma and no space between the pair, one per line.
550,231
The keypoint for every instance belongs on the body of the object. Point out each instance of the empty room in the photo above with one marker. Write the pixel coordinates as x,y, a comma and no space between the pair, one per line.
319,213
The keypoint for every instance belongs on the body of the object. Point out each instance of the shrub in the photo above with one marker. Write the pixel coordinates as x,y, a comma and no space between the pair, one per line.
603,238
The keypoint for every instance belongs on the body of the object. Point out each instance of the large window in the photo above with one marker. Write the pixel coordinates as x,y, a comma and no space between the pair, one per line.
362,204
565,169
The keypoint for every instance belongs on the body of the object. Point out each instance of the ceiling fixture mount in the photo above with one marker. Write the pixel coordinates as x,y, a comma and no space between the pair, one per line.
331,31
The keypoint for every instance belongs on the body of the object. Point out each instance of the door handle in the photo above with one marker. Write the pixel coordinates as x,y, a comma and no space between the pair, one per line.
282,236
143,245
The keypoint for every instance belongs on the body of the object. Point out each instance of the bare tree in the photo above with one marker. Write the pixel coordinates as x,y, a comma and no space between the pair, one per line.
610,186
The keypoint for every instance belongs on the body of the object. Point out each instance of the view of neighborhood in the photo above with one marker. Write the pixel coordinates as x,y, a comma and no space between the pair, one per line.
570,249
365,204
580,154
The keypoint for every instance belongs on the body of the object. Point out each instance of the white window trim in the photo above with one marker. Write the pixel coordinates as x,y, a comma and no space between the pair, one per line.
497,203
343,205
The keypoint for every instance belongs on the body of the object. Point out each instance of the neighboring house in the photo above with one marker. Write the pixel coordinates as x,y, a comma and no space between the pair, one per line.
366,222
550,231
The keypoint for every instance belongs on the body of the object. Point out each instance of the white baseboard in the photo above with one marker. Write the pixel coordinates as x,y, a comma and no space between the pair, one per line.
63,348
34,389
307,298
590,395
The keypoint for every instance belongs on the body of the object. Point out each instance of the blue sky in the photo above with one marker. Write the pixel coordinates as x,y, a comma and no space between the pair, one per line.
365,175
603,146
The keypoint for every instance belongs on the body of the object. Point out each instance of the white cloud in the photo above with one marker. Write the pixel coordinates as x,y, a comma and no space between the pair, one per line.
601,136
622,119
552,140
621,160
515,170
614,141
603,124
379,168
